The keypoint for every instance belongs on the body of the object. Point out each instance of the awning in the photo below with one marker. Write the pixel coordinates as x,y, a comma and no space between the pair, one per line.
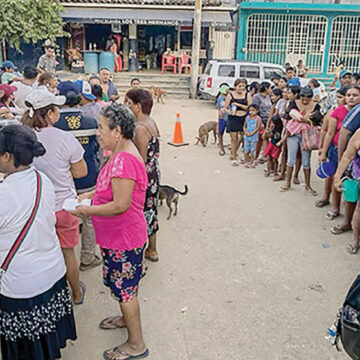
144,16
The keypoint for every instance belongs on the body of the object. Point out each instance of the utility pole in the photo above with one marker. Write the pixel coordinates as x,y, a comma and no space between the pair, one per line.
195,53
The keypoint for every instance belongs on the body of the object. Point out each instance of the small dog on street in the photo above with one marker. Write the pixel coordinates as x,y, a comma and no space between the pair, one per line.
157,93
204,131
171,195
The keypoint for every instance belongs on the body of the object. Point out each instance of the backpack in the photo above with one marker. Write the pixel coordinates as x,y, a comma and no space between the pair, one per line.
348,326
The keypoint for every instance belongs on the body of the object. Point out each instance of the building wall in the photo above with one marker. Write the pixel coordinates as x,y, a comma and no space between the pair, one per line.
319,35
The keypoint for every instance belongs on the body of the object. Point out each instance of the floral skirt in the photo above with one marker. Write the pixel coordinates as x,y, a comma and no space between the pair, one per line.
38,327
122,271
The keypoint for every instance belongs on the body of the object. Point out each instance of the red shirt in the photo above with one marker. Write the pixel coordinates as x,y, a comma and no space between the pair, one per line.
339,114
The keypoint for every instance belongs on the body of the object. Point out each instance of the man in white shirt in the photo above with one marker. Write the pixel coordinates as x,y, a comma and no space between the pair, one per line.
24,87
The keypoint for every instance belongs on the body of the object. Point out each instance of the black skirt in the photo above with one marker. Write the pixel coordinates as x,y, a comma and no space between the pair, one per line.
38,327
235,123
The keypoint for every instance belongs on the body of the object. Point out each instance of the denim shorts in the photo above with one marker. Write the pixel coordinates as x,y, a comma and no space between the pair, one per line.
293,144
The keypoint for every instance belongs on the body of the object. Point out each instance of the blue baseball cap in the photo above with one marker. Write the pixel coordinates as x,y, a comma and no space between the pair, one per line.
84,89
8,64
345,72
66,86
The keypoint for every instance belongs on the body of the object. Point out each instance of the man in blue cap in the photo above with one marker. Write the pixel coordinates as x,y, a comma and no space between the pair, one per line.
7,72
84,129
88,105
331,101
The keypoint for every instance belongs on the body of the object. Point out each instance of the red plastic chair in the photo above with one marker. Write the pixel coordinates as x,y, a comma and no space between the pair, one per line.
168,61
184,62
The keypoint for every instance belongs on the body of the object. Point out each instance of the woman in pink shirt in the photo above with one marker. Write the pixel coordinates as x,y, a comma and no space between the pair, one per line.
120,225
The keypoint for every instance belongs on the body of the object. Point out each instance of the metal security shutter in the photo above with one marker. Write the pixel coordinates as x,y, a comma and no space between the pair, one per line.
345,43
281,38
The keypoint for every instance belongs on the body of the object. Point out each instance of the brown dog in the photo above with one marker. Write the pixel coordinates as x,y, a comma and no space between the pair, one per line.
157,93
204,131
171,195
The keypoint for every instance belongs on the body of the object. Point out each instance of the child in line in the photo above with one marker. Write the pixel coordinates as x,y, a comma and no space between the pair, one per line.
251,130
273,151
222,116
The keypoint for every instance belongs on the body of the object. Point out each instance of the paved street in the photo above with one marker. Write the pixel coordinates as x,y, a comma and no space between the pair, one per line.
245,272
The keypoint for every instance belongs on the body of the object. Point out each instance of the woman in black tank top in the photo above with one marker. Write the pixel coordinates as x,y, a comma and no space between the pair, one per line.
236,105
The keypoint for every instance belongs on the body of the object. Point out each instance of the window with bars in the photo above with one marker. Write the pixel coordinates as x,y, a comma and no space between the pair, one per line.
280,38
345,43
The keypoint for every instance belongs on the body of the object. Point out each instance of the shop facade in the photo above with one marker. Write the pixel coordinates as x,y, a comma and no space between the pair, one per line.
146,31
321,35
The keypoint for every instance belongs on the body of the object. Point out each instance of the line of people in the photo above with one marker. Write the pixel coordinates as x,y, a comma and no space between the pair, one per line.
282,124
72,145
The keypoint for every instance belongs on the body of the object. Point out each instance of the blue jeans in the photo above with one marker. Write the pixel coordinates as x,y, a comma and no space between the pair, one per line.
293,143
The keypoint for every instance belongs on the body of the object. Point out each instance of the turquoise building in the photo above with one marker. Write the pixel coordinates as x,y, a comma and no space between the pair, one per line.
322,35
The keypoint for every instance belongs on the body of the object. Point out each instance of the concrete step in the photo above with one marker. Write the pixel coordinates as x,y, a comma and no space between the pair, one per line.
176,86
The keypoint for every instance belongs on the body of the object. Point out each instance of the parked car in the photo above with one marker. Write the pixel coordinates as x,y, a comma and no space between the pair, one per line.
225,72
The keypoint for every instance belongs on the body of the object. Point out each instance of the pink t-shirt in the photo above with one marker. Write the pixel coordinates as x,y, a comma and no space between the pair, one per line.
339,114
128,230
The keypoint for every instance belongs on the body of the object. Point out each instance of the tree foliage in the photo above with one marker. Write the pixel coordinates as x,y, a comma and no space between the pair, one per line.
30,21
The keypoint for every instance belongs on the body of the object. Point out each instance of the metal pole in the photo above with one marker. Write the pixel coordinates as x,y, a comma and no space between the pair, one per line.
195,53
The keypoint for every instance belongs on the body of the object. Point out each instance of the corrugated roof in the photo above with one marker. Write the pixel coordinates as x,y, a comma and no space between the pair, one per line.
141,2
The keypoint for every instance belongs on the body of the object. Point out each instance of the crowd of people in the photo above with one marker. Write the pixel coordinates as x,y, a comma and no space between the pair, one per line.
77,164
282,123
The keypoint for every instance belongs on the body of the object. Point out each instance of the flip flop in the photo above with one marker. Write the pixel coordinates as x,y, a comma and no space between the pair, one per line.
279,178
153,258
311,191
339,229
331,215
284,188
110,324
352,249
221,152
321,203
83,288
129,356
96,262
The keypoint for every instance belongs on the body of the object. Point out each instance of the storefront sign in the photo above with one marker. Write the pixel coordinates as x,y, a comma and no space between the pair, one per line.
137,22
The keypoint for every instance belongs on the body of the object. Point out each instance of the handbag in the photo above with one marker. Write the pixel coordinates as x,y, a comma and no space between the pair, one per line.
24,231
310,136
348,325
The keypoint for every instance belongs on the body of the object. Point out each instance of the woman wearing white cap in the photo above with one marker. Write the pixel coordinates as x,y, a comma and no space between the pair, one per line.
62,162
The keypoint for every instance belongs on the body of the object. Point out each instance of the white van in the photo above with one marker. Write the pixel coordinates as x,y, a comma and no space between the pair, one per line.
225,72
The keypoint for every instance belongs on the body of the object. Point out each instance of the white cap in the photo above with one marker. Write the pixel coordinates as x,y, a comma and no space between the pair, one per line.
40,98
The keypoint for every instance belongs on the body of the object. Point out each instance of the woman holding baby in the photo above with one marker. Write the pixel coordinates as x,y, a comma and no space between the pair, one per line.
306,112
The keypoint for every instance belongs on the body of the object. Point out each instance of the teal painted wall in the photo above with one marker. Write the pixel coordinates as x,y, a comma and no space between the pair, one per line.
276,48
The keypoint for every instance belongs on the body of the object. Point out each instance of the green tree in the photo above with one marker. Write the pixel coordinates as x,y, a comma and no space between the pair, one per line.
30,21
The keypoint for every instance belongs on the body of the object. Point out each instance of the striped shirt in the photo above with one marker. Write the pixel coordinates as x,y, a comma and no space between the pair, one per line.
352,119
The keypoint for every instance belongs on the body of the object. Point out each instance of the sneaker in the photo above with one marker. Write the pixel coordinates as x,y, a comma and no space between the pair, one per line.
247,165
234,163
253,165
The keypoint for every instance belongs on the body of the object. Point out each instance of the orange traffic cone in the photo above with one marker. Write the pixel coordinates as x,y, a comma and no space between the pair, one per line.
178,137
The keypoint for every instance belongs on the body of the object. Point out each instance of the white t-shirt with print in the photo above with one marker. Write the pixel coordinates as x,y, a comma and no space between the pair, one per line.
23,90
39,262
62,150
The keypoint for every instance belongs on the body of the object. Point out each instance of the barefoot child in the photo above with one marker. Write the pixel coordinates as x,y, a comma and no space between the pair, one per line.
222,116
251,130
